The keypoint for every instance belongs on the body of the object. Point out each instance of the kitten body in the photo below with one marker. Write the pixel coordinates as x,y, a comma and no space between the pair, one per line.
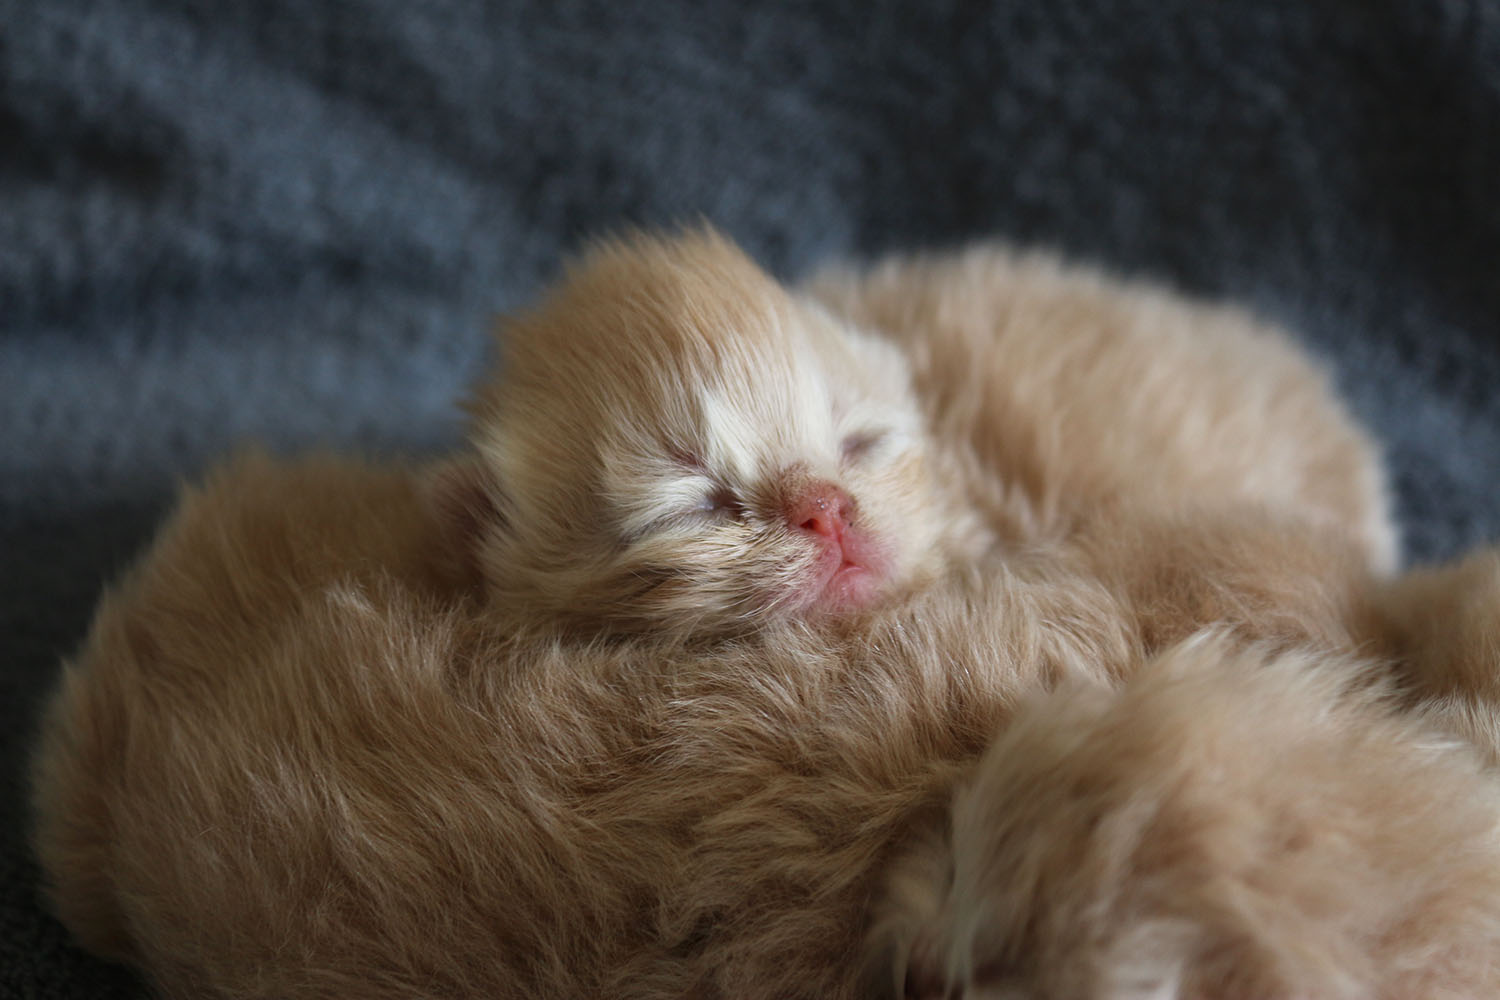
1225,824
1075,396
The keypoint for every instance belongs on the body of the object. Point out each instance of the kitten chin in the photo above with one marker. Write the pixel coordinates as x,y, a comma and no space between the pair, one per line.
676,443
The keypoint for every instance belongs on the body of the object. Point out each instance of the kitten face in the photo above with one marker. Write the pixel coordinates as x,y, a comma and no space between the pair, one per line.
676,442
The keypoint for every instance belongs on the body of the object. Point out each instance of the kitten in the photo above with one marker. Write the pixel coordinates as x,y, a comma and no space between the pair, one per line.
675,443
1194,459
297,758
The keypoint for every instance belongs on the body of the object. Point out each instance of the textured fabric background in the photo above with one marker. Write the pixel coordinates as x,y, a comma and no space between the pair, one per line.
289,220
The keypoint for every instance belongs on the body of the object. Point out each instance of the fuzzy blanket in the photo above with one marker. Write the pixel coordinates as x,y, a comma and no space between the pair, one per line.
290,220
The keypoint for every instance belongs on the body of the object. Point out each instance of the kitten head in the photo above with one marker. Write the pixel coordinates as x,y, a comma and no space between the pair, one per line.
675,442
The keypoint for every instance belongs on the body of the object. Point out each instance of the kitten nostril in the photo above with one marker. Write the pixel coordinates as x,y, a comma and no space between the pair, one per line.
817,525
822,509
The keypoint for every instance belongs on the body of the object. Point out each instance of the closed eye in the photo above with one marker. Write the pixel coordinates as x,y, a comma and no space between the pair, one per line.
717,507
721,503
859,445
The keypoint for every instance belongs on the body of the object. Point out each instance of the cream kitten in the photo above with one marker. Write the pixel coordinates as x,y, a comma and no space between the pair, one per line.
296,758
675,443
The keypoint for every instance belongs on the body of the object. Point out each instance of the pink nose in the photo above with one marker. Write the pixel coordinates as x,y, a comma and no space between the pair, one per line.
821,509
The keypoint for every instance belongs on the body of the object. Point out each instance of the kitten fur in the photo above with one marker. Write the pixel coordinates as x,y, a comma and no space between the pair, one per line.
654,418
323,743
283,768
291,763
1440,626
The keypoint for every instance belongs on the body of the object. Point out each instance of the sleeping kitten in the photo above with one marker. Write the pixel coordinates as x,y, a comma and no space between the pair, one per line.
295,759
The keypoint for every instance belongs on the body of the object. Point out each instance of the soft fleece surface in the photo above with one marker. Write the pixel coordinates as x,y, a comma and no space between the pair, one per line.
289,220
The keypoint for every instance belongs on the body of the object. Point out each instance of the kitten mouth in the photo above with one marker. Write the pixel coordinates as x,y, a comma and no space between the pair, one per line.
850,587
848,577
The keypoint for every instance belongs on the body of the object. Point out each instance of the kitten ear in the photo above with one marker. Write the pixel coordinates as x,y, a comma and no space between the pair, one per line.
464,498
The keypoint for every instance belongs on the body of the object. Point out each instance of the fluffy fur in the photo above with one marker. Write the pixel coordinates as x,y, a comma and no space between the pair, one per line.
544,721
1224,825
379,797
1441,625
282,768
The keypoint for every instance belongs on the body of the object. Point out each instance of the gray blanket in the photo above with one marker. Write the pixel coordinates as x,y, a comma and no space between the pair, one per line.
289,221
